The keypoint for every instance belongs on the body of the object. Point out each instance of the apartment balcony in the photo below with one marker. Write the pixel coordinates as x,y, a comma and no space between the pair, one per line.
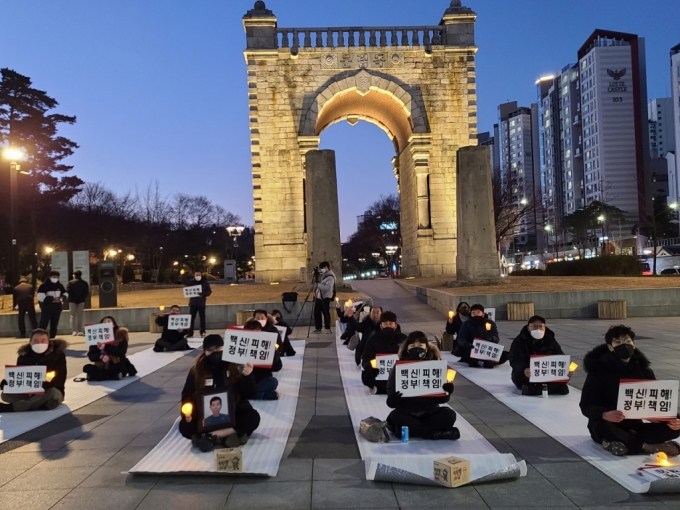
577,119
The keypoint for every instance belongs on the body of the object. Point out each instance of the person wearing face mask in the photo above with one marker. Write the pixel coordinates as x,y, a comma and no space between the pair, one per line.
211,372
51,294
453,324
606,365
110,361
385,340
478,326
197,303
264,378
325,293
40,351
171,339
285,347
424,416
366,327
535,339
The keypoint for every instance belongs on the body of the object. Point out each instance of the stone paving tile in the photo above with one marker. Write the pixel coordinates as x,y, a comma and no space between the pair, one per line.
353,494
9,474
339,469
105,476
47,478
414,497
102,498
180,497
294,470
68,458
31,499
21,460
276,496
525,492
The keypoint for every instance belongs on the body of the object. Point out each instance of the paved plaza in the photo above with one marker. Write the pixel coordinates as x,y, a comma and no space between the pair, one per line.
79,461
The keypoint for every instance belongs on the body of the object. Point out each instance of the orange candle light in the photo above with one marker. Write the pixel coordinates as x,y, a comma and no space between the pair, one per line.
451,314
488,326
374,363
49,376
187,409
450,375
161,308
572,367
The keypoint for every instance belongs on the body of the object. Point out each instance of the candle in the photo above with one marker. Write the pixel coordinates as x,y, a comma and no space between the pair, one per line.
187,409
49,376
374,363
488,326
337,299
572,367
277,347
451,314
161,308
450,375
348,304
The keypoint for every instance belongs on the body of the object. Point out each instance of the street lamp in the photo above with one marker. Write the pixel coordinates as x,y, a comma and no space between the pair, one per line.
601,218
49,250
235,232
549,229
13,155
391,251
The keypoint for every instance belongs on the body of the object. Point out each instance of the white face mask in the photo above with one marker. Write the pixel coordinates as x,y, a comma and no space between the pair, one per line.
39,348
197,278
323,271
263,322
54,280
538,334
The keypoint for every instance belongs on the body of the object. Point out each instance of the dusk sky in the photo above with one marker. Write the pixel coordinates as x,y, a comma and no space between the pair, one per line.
159,87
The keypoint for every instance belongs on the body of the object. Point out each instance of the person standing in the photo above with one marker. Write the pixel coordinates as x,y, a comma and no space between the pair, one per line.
197,303
325,293
24,301
51,294
78,290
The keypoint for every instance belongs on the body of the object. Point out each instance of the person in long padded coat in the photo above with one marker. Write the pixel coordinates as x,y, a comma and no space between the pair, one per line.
210,371
424,416
477,326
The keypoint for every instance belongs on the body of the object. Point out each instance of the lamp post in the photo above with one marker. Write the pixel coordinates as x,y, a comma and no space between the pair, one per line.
602,218
549,229
13,155
391,251
235,232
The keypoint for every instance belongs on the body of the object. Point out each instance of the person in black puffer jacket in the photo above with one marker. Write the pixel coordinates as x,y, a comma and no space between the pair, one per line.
110,361
534,339
424,416
477,326
386,340
606,365
366,327
454,323
264,377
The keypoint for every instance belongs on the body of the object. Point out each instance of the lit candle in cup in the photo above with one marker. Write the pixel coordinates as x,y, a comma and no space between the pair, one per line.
572,367
187,409
374,363
488,326
50,375
450,375
451,314
161,308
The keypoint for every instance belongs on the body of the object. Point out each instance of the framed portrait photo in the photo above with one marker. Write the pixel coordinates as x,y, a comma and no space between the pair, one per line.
216,410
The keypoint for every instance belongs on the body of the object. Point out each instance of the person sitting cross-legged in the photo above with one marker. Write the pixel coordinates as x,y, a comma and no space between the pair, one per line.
171,339
366,327
478,326
534,339
385,340
285,347
110,361
264,378
606,365
423,416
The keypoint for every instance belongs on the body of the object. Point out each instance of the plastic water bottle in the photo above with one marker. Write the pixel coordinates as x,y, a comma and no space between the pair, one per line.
404,435
544,391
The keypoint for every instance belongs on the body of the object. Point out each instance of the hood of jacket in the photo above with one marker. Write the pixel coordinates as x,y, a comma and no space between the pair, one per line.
600,360
121,335
56,345
433,352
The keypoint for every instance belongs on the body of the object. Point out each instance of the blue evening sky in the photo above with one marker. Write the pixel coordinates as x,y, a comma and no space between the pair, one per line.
159,87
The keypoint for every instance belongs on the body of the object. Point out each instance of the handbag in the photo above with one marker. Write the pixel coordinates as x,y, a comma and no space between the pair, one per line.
374,430
354,341
288,297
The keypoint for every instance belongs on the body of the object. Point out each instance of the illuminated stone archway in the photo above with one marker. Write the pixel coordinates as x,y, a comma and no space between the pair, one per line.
416,83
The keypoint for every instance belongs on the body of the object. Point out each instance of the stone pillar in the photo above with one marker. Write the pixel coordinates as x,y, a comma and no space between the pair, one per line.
477,260
459,25
260,26
323,219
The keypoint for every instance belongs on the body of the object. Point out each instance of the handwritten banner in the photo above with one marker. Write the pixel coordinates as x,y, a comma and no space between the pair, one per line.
99,333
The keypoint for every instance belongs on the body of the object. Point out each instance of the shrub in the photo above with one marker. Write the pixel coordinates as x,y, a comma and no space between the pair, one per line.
528,272
128,274
608,265
146,276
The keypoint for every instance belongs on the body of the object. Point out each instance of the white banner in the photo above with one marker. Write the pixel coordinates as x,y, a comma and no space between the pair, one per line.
664,472
59,263
24,379
420,378
547,369
245,346
486,351
648,400
95,333
384,363
179,321
193,291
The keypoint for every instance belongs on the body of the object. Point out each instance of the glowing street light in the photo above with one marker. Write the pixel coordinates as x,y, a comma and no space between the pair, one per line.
48,249
524,202
113,253
13,154
212,261
548,228
601,218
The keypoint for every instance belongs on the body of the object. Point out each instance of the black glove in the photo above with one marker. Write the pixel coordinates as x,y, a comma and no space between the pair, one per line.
393,401
448,387
3,383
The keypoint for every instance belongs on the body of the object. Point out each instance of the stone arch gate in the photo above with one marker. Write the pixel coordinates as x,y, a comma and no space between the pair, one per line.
416,83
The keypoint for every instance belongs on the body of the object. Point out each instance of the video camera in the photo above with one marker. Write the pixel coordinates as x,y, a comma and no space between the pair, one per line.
316,275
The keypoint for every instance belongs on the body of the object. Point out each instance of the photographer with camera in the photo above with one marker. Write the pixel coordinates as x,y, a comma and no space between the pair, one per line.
325,293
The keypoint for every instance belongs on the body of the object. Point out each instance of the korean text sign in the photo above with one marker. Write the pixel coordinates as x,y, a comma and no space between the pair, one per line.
179,321
486,351
650,400
193,291
99,333
24,379
244,346
548,369
421,378
384,363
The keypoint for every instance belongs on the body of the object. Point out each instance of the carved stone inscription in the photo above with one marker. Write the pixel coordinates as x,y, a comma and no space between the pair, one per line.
362,60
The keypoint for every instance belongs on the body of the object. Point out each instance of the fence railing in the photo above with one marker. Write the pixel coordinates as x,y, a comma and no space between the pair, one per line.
351,37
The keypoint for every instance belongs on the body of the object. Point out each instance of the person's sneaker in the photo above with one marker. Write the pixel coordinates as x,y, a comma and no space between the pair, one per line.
74,334
328,332
615,448
670,448
205,443
232,441
243,439
203,334
531,390
317,331
374,390
452,434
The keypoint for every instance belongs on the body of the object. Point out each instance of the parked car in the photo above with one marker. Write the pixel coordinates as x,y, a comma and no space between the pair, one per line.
672,271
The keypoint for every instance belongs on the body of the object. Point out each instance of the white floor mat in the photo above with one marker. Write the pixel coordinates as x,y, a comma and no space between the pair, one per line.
83,393
262,455
560,417
412,462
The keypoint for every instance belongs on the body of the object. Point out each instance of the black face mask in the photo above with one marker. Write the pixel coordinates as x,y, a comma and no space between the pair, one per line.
388,333
464,311
214,359
478,319
624,351
416,353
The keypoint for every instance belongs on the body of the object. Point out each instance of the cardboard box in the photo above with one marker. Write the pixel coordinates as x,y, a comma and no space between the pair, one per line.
452,471
229,460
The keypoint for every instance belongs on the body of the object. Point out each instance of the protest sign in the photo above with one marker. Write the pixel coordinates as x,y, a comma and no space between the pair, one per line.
648,400
486,351
420,378
384,363
24,379
193,291
244,346
99,333
179,321
282,332
490,313
548,369
661,472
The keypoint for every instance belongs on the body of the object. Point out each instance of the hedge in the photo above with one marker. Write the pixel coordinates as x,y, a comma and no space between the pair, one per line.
608,265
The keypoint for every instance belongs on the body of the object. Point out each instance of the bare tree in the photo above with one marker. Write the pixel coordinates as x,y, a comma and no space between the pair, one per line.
510,212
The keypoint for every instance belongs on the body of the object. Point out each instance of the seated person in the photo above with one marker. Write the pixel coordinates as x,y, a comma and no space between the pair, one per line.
534,339
423,416
478,326
285,347
265,381
366,327
606,365
210,372
385,340
454,323
171,339
110,360
40,351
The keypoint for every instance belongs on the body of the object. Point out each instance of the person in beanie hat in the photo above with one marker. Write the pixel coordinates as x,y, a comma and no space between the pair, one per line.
478,326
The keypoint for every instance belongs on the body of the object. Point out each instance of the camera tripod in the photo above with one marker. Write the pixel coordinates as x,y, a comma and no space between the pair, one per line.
310,292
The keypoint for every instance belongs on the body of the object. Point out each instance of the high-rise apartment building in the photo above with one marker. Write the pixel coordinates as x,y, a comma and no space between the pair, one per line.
661,127
675,95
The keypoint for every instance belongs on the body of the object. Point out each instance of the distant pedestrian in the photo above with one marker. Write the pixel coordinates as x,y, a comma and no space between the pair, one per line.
197,303
325,293
78,290
51,294
24,301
